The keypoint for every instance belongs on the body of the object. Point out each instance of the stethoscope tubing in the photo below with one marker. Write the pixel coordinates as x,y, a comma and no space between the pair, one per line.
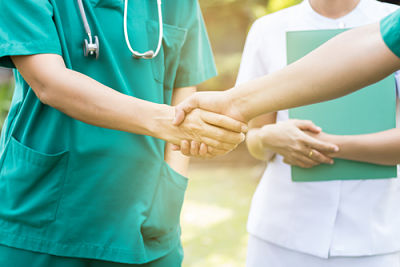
148,54
91,48
84,19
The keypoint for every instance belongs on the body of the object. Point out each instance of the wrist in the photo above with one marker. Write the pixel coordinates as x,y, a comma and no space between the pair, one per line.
236,105
264,135
160,126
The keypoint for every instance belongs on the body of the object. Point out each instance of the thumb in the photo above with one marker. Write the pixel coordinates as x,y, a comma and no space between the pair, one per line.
306,125
184,108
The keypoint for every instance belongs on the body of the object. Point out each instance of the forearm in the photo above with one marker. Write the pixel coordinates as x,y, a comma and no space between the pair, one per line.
85,99
344,64
379,148
256,147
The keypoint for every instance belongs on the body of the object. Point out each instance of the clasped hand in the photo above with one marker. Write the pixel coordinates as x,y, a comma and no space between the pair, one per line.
225,128
298,142
210,134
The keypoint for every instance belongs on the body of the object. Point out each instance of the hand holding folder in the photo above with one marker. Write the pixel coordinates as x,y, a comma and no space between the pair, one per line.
369,110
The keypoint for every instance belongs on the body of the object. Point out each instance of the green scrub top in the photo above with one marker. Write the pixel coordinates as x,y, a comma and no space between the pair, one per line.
72,189
390,30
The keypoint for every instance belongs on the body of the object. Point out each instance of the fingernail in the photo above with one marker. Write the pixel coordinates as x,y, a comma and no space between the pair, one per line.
319,128
336,149
245,129
331,162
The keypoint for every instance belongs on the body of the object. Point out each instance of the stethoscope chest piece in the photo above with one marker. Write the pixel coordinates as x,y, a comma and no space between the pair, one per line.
90,48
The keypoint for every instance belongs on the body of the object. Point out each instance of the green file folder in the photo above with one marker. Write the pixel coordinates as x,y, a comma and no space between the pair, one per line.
372,109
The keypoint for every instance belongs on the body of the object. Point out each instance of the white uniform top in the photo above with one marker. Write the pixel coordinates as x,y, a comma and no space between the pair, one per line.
335,218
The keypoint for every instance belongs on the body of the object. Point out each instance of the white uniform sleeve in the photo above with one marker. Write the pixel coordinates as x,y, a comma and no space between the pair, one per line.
397,77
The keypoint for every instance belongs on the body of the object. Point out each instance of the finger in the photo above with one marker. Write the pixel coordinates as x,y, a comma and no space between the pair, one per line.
222,134
219,152
175,147
223,122
289,161
185,148
217,144
298,163
305,161
321,146
184,108
306,125
194,148
320,158
203,149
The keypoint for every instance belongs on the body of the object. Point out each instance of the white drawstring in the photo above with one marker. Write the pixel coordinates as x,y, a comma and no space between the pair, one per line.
149,54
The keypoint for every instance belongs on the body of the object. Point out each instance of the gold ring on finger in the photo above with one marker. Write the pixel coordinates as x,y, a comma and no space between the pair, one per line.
310,154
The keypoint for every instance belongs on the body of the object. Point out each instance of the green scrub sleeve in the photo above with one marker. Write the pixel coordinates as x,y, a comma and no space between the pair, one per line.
26,28
390,30
196,61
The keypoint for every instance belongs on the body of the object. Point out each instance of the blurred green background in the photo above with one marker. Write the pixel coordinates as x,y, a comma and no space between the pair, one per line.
219,193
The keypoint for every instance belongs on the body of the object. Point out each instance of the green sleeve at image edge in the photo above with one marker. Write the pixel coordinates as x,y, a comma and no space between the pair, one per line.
390,30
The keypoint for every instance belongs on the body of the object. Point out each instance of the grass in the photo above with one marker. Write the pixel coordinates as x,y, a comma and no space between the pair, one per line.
214,215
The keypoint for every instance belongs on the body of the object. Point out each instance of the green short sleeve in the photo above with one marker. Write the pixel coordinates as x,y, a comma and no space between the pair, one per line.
390,30
196,61
26,28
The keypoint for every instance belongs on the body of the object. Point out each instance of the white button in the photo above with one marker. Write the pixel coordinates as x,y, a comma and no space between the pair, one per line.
342,25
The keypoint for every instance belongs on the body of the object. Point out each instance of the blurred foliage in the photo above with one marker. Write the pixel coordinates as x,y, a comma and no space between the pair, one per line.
6,91
228,22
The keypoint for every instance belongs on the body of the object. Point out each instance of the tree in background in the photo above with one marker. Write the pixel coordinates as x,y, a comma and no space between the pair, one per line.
228,22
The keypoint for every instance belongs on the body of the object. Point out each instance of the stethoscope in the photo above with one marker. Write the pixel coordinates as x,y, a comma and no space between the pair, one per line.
91,47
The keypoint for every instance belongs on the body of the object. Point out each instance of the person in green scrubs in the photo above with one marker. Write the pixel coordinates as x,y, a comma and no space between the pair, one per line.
346,63
86,178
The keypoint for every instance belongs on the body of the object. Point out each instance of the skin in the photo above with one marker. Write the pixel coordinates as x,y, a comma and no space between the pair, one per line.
379,148
265,138
176,160
333,8
85,99
327,8
289,139
346,63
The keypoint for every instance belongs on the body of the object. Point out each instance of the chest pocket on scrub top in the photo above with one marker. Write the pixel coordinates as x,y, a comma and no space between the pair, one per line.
165,65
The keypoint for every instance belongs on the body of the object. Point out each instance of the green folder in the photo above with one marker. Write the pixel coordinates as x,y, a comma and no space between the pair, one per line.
372,109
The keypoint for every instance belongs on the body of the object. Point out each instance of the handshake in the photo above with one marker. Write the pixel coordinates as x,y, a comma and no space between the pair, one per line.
206,125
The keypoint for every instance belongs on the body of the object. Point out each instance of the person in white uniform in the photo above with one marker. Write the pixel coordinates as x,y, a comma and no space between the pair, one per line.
315,224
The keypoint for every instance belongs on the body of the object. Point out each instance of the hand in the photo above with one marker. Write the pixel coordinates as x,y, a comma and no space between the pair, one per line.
220,133
290,139
328,138
218,102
